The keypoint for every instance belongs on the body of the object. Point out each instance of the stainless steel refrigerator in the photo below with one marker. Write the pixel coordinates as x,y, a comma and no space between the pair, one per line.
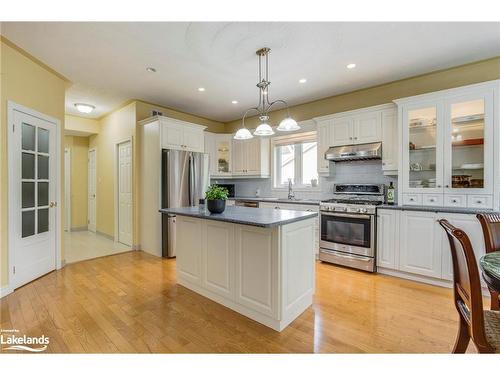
184,180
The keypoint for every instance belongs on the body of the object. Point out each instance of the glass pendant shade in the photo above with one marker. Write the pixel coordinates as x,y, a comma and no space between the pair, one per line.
288,125
243,133
263,130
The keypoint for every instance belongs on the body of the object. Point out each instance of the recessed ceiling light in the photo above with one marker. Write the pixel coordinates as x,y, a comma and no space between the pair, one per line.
151,70
201,89
84,108
351,66
302,80
234,102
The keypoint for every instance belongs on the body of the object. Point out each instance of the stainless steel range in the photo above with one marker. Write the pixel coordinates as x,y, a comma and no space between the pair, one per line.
347,225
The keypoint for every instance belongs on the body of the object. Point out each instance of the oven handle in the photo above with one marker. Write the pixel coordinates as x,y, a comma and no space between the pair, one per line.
348,215
351,256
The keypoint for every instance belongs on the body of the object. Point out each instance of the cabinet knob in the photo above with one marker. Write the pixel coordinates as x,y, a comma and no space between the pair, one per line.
479,202
454,200
383,163
438,186
446,186
432,199
350,137
411,199
355,137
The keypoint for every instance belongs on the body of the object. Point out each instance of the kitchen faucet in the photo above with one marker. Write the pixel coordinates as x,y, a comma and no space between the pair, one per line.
291,195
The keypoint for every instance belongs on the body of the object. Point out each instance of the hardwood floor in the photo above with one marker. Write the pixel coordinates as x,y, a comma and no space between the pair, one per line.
130,303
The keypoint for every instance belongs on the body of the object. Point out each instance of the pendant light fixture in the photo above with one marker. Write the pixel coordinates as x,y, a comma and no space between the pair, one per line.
264,106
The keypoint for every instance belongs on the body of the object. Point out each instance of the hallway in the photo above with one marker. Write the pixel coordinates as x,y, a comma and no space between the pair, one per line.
84,245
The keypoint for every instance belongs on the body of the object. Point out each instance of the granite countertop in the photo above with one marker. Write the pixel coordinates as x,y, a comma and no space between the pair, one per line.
313,202
259,217
451,210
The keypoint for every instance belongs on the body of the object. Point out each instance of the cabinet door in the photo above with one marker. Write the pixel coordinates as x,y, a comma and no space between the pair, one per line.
193,140
252,156
172,137
189,249
368,128
468,140
387,238
389,141
218,258
422,148
470,225
238,158
222,151
342,131
210,148
256,266
324,138
420,242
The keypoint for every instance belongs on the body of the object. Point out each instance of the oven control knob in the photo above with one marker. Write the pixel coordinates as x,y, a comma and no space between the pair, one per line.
344,208
364,210
358,210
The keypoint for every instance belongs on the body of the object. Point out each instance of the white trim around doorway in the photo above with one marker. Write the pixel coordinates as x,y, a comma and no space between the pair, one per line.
67,189
11,107
88,190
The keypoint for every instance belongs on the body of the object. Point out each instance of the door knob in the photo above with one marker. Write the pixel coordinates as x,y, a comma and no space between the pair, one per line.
52,204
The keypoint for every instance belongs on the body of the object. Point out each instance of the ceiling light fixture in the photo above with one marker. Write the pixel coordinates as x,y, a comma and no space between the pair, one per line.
351,66
201,89
151,70
84,108
302,80
234,102
264,106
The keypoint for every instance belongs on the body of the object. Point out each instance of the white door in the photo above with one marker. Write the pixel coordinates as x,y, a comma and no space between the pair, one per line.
92,191
67,189
125,193
33,152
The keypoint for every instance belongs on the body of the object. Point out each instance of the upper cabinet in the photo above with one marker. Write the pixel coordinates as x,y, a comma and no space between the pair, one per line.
178,135
366,125
251,157
448,146
219,147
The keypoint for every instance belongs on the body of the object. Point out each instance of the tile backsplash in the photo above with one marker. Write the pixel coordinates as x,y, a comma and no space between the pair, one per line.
366,172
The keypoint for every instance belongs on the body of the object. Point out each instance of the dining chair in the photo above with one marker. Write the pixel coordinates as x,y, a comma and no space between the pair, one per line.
482,326
491,232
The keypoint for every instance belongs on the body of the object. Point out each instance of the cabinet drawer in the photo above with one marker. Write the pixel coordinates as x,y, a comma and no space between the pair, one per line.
455,200
432,199
480,201
412,199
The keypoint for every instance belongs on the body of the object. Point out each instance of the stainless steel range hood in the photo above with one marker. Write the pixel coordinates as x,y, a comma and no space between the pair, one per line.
363,151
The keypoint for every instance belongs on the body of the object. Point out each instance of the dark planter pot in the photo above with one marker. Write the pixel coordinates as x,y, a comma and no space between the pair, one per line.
216,206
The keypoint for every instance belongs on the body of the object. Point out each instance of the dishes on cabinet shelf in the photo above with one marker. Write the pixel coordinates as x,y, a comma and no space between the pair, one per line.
422,122
471,166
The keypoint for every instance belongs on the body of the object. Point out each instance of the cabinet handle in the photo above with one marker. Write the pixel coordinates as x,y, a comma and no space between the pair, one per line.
355,137
350,137
432,200
446,186
479,202
411,199
383,163
438,186
454,200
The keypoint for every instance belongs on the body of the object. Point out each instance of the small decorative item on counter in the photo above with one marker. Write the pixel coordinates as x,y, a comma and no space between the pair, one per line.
201,205
390,194
216,197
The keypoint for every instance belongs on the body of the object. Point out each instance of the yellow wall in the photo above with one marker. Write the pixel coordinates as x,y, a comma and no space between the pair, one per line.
81,124
29,83
113,128
144,111
79,147
459,76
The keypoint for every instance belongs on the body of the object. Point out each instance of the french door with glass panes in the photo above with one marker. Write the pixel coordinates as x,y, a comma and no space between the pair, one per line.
34,179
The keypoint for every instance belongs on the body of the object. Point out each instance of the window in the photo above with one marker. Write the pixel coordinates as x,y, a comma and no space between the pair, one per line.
295,158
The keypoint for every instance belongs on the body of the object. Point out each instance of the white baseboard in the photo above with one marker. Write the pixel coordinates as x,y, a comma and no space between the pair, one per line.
5,291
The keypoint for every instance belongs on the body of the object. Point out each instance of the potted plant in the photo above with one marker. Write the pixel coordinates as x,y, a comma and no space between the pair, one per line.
215,198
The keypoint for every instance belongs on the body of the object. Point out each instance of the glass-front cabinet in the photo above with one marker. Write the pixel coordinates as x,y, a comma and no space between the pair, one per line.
219,148
448,145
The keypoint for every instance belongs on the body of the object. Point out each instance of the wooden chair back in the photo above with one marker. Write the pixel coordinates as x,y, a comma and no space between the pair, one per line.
491,231
466,284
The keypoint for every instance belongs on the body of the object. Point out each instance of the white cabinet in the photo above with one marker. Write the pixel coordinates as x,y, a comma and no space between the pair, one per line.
251,157
447,145
366,125
256,265
178,135
420,243
218,258
188,261
390,142
387,239
219,147
325,141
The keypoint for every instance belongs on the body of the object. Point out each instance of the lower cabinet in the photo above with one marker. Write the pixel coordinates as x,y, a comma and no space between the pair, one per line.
188,262
414,243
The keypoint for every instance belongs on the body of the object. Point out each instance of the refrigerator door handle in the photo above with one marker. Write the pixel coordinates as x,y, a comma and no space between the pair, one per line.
192,173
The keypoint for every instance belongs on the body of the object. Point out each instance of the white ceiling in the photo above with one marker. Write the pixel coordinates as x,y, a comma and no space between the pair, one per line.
107,61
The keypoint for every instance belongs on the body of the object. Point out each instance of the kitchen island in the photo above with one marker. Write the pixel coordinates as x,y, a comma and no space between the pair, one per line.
256,261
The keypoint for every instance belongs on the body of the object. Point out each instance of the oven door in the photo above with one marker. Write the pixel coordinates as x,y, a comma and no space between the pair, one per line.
349,233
